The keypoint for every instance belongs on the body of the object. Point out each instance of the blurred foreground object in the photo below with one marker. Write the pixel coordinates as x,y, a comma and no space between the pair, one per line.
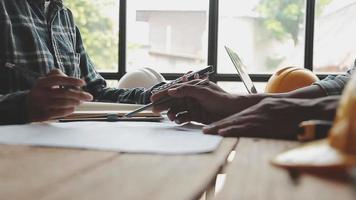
338,152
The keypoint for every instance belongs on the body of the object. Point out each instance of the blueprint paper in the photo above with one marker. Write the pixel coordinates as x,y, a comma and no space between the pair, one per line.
131,137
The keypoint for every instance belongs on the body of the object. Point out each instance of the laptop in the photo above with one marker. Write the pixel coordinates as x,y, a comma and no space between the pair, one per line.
240,68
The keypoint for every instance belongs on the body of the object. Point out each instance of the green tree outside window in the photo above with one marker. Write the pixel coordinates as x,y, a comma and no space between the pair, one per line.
98,23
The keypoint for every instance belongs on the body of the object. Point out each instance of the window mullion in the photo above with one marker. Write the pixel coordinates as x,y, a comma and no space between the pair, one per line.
309,34
213,36
122,38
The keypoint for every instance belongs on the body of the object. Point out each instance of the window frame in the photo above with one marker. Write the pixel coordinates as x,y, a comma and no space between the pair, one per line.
212,56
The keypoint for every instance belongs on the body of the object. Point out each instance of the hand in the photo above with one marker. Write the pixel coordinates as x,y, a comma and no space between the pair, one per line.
204,104
198,78
271,118
47,100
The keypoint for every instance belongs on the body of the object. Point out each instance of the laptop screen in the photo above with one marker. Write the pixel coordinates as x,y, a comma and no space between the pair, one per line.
240,68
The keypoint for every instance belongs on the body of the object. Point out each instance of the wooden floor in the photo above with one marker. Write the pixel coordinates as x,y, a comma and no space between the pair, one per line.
49,173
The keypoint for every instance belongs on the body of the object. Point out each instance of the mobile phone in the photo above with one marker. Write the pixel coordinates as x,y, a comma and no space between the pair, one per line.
203,72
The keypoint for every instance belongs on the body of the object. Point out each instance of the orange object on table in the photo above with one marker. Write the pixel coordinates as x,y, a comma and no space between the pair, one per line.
290,78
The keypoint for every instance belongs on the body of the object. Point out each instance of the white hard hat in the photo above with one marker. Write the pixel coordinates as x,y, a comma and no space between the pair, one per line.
144,77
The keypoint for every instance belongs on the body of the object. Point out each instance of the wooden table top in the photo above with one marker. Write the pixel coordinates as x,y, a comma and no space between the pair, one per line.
251,176
49,173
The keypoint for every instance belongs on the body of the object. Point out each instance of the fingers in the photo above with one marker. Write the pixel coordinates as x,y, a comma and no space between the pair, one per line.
231,131
183,89
188,111
57,113
155,97
159,95
185,77
237,120
63,103
183,117
240,131
174,109
60,93
214,128
173,103
56,72
59,80
48,101
196,92
188,72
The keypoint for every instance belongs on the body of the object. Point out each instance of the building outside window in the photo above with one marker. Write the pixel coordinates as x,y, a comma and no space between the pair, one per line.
169,36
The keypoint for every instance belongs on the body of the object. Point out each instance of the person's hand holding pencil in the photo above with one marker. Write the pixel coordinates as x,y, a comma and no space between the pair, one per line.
189,101
54,96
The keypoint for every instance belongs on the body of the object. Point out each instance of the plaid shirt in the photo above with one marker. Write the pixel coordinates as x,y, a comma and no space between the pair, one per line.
42,36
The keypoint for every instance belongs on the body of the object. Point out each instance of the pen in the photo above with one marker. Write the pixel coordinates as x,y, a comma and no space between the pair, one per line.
163,100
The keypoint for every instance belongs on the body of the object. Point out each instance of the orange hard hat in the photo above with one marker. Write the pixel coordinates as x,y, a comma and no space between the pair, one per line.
290,78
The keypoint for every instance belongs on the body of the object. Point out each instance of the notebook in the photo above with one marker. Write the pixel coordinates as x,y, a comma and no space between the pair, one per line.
240,68
99,111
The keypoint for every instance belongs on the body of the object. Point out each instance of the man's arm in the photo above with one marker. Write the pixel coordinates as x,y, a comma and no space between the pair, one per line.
334,85
331,85
45,101
209,111
275,117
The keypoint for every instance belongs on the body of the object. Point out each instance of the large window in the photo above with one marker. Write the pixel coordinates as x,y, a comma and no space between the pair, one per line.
170,36
175,36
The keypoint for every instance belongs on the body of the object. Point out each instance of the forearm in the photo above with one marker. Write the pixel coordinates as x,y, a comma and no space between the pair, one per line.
298,110
310,92
323,108
132,96
13,108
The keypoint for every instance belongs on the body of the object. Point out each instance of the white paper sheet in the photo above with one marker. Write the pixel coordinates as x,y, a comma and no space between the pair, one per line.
132,137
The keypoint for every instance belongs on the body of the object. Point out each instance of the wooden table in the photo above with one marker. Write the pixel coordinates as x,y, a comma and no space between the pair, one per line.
45,173
48,173
251,176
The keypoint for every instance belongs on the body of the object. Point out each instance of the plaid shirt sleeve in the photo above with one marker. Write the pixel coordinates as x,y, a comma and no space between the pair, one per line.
334,85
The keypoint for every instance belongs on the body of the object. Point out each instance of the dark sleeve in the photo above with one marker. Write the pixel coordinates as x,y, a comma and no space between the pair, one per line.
122,95
13,108
334,85
96,84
